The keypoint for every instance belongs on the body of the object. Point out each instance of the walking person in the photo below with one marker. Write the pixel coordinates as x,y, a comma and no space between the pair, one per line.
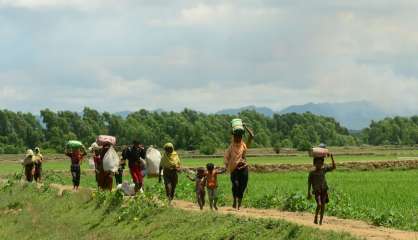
212,184
134,154
105,177
318,183
28,165
76,156
38,160
236,163
169,166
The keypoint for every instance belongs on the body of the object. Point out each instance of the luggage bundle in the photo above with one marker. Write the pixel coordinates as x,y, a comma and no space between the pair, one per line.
319,152
105,139
153,159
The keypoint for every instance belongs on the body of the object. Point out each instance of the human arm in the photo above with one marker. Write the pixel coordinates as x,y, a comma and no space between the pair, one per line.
191,178
333,166
309,187
160,169
220,170
250,135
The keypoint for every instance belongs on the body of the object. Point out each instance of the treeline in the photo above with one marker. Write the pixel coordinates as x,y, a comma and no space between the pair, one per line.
189,130
392,131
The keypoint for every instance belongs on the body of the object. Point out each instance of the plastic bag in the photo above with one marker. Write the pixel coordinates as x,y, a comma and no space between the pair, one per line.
74,144
111,160
153,159
105,139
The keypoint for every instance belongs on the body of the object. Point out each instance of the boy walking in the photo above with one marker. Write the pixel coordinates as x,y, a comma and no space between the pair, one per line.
319,185
212,184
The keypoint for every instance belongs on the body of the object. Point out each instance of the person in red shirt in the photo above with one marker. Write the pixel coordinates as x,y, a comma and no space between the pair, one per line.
76,157
134,154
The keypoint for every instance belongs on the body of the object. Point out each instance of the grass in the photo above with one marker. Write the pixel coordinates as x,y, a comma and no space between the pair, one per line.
383,198
24,215
62,163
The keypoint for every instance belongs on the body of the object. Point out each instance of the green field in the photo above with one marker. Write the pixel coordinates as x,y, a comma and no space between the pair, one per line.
388,198
29,213
9,163
383,197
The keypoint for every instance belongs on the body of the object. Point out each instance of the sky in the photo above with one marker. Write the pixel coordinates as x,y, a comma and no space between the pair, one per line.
116,55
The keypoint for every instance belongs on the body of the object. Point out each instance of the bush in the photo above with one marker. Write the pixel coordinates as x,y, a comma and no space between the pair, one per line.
9,149
208,149
296,202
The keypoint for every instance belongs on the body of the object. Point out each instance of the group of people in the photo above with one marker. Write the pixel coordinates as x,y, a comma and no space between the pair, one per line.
235,162
32,165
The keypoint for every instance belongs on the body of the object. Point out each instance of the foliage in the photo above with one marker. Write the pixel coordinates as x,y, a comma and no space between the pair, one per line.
188,129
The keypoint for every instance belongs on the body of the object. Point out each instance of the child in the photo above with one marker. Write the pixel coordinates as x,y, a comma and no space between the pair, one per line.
319,185
200,180
212,184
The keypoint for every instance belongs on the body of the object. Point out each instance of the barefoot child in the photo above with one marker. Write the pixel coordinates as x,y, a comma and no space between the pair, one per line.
319,185
200,181
212,184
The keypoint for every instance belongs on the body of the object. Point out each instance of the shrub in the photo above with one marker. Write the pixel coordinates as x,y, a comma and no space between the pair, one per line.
296,202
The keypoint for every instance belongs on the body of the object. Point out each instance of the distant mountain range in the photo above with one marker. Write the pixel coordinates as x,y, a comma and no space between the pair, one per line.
353,115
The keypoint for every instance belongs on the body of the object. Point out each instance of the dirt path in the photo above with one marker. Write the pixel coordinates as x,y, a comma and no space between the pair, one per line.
356,228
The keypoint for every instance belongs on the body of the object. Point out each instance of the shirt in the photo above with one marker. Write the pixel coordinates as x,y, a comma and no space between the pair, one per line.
235,155
317,179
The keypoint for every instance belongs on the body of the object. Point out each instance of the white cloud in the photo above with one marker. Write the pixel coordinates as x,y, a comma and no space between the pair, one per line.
118,55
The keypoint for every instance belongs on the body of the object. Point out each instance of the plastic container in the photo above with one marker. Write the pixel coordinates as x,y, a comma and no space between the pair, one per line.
105,139
319,152
237,125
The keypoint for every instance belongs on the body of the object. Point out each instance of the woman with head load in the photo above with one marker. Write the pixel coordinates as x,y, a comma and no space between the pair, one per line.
28,165
236,162
170,164
38,159
76,155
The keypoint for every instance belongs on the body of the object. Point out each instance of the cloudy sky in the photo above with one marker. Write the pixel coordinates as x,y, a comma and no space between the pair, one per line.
207,55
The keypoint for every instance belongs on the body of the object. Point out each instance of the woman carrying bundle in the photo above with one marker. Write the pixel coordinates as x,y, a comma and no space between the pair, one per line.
28,165
38,159
236,162
76,154
170,165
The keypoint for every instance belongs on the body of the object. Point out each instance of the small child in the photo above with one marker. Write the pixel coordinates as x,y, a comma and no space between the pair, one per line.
319,185
200,181
212,184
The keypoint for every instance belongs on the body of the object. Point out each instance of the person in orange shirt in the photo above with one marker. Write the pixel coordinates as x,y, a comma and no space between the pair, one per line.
212,184
236,163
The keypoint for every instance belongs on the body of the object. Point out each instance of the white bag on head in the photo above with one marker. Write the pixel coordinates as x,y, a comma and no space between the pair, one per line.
153,159
111,160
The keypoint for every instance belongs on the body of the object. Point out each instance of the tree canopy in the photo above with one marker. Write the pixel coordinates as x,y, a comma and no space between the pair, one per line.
189,130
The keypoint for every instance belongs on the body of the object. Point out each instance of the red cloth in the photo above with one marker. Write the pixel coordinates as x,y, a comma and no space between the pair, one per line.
136,174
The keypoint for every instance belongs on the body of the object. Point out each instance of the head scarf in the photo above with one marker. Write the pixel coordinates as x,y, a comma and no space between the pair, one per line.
170,160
